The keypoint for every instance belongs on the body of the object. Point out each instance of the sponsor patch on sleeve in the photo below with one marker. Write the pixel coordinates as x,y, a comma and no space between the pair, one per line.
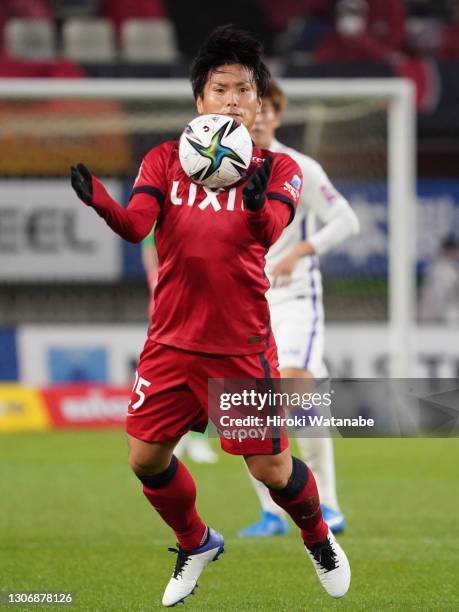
290,189
296,181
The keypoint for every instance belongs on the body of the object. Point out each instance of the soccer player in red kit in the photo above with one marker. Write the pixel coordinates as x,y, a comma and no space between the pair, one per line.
211,316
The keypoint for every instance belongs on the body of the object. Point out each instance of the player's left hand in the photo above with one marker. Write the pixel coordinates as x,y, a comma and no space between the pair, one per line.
253,193
81,180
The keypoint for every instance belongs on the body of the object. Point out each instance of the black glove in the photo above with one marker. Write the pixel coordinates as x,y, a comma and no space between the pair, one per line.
253,193
81,180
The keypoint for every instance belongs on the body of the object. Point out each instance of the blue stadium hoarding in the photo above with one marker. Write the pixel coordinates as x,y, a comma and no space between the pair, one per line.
8,354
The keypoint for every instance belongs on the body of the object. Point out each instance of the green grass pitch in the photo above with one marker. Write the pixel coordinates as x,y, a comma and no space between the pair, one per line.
72,518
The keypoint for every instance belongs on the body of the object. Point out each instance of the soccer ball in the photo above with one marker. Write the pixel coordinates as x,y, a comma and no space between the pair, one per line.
215,150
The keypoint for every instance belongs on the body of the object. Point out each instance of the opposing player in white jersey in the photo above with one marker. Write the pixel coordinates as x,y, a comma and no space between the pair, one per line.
295,301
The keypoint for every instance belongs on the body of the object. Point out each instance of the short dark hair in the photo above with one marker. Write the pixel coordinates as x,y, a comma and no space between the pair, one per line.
229,45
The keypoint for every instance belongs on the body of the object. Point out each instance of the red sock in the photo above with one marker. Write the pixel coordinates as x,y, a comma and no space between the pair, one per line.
304,507
175,502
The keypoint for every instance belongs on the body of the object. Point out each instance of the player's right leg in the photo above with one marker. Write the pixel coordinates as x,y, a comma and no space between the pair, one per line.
170,489
158,415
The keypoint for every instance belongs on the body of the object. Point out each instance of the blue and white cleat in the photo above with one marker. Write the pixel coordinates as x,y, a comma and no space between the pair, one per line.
269,525
189,566
334,519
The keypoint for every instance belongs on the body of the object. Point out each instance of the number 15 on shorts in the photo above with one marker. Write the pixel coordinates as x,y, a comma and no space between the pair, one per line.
139,383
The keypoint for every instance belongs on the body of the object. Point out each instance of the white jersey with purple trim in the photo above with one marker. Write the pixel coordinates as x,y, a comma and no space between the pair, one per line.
297,315
319,202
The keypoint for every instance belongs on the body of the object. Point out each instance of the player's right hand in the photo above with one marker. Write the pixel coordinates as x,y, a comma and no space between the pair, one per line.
81,180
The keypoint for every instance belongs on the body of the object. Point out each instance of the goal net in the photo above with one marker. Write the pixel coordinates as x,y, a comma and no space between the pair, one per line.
61,264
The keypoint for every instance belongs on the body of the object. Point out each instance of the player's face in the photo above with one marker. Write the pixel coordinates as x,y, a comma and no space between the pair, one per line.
230,90
266,123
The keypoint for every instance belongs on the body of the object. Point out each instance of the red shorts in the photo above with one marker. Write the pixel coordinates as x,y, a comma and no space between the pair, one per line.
170,394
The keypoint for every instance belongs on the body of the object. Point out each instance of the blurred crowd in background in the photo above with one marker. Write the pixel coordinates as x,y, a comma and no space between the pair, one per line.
72,34
363,29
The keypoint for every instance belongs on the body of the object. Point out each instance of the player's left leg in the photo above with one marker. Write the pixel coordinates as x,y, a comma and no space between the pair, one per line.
299,330
293,487
318,453
291,483
300,338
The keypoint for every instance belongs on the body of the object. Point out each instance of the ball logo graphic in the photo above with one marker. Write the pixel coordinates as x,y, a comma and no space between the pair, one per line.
215,150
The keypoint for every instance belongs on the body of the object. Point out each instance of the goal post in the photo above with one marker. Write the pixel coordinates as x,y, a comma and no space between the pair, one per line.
317,103
401,153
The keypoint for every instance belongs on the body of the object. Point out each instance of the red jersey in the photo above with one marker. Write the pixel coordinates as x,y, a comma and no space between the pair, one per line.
210,295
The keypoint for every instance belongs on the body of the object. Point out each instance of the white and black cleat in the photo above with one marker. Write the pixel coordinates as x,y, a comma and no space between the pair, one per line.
331,565
189,566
